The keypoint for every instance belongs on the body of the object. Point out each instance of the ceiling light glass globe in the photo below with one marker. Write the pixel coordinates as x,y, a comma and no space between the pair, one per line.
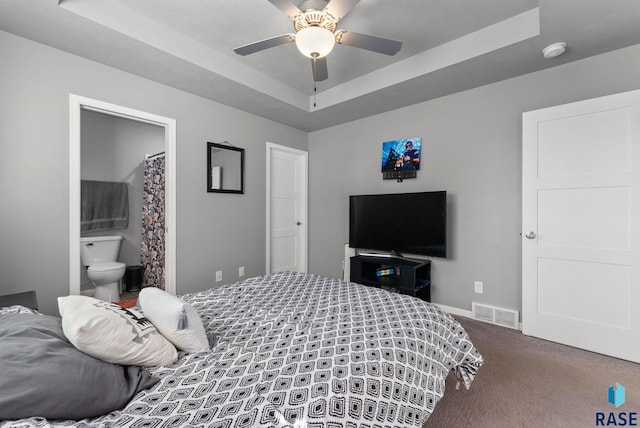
315,42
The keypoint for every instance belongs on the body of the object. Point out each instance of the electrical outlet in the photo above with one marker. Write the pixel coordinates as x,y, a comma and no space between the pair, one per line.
241,271
218,275
478,287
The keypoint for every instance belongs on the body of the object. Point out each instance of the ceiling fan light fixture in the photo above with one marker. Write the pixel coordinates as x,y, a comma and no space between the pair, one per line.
315,42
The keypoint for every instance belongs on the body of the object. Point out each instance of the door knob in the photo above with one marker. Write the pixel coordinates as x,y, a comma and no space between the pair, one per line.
530,235
298,223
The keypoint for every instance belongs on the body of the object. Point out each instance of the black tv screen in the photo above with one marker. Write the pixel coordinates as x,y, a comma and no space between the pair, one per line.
414,223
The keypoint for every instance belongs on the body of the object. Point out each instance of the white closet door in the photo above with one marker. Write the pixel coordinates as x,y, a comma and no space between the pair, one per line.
581,225
286,209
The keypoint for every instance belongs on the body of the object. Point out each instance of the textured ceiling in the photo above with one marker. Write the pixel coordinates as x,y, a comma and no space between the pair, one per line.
448,46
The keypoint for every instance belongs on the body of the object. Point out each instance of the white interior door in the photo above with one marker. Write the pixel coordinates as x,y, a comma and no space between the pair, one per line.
581,225
286,209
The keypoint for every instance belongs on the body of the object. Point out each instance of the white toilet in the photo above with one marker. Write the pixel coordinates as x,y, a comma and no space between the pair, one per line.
100,255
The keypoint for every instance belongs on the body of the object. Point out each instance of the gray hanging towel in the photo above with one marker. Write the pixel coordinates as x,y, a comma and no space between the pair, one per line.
105,205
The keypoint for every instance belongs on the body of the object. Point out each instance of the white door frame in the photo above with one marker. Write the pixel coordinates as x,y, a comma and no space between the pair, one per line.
76,105
305,190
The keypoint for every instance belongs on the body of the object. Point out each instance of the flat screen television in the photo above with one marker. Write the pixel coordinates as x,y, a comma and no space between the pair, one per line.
414,223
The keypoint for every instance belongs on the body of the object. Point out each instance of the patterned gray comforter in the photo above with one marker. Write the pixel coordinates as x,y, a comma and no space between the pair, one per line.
304,351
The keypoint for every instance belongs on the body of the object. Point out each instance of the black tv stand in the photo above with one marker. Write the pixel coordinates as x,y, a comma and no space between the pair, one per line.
409,276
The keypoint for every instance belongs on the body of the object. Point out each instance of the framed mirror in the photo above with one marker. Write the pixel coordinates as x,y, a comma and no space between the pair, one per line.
225,168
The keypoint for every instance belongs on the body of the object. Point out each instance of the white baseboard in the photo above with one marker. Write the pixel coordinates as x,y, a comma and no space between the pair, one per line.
455,311
463,313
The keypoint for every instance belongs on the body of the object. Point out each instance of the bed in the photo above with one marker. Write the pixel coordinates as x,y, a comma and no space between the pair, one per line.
301,350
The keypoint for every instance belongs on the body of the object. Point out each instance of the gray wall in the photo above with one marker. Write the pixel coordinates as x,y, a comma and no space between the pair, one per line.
215,231
471,147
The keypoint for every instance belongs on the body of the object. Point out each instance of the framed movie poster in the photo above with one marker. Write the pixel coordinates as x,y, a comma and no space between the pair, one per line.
401,158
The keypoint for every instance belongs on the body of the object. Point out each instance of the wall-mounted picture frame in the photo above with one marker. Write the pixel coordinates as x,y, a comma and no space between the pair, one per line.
225,168
401,158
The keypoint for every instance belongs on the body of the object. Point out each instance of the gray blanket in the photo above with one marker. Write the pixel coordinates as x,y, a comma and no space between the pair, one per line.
43,374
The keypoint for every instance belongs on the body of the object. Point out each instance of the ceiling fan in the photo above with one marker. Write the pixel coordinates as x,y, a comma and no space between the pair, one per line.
315,23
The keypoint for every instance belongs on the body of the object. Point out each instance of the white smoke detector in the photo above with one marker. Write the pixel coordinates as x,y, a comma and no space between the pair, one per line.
554,50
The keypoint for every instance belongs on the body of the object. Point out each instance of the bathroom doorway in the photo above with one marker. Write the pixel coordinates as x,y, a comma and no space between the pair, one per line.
95,113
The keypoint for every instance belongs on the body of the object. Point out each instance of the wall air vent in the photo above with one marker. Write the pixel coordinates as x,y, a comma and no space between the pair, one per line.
494,315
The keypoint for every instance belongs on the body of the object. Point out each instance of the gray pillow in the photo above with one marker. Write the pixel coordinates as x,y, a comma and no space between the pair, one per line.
43,374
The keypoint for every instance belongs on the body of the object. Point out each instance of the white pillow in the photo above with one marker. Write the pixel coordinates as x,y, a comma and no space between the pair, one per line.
112,333
177,320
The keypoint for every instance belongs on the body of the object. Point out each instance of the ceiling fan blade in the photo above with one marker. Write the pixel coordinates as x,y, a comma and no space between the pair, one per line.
370,43
339,8
264,44
289,9
319,68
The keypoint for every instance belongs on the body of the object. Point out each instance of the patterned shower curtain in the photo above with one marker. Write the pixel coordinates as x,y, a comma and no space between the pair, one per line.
152,246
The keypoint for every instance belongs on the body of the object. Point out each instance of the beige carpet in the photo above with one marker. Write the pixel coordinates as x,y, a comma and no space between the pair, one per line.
528,382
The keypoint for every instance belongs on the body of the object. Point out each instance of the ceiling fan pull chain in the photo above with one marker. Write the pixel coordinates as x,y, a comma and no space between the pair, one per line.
315,89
